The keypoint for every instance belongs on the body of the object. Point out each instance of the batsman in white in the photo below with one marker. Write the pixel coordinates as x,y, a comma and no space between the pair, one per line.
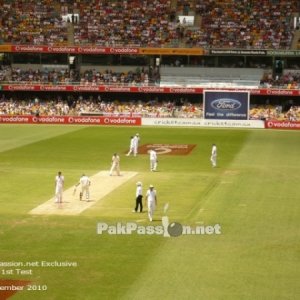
59,187
85,183
153,160
213,157
151,199
115,164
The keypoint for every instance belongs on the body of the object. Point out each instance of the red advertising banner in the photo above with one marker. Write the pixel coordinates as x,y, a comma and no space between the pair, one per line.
273,124
140,89
73,49
80,120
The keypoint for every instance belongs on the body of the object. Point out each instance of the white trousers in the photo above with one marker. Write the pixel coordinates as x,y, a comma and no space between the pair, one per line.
213,160
131,150
58,194
153,164
151,208
85,189
115,167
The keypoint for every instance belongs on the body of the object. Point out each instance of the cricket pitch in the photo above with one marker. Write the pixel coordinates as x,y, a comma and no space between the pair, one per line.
101,185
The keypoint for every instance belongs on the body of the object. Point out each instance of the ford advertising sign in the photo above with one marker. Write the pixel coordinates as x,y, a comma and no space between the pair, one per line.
226,105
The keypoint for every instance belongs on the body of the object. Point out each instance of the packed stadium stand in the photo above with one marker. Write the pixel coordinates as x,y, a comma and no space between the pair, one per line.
221,24
236,43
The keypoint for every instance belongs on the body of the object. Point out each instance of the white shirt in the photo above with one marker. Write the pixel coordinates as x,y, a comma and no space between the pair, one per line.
85,181
153,155
59,180
132,143
214,150
136,140
139,191
115,159
151,195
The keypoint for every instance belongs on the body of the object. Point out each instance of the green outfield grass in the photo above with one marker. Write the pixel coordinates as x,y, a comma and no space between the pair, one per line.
253,195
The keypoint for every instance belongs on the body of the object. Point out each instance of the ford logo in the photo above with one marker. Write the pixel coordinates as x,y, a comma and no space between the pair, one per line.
226,104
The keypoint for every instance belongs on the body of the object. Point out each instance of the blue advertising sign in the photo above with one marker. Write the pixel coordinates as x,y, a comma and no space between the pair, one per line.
226,105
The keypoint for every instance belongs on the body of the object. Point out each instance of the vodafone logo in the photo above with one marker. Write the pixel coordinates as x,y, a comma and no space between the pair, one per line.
182,90
151,90
84,120
28,48
124,50
116,89
62,49
22,87
86,88
17,119
125,121
279,92
283,124
92,50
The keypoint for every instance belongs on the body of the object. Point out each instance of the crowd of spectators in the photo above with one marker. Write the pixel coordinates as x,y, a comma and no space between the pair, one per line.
152,108
244,24
137,23
274,112
32,22
81,106
150,23
140,76
288,80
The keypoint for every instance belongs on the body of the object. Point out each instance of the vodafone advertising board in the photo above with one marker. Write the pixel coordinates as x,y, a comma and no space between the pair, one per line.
74,49
140,89
82,120
282,125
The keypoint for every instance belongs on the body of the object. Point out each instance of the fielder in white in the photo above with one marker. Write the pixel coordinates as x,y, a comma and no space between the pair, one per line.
213,157
59,187
85,183
115,165
131,146
153,160
136,144
151,199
